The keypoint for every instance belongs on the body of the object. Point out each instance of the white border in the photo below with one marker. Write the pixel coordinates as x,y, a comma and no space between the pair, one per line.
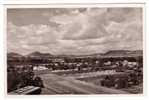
73,5
69,1
70,5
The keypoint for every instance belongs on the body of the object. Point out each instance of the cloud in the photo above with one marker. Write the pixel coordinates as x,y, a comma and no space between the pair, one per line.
75,31
30,36
89,24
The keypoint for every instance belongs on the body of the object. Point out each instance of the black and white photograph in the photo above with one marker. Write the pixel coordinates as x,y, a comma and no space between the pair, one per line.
74,50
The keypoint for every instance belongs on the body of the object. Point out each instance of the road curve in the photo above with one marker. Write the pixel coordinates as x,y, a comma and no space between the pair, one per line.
55,84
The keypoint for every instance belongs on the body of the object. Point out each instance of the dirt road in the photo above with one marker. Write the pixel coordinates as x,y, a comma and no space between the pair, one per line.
55,84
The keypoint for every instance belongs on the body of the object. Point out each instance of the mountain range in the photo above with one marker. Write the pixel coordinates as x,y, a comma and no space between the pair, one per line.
37,54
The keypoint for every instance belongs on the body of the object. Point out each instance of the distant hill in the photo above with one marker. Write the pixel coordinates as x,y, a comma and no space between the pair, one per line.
123,53
39,55
81,56
111,53
15,55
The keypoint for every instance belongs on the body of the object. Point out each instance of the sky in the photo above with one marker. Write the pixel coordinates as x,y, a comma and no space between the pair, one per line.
75,31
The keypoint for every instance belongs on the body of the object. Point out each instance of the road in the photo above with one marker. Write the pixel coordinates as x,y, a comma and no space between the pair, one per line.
55,84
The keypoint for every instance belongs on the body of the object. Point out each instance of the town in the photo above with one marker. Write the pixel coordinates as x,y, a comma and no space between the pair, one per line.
112,72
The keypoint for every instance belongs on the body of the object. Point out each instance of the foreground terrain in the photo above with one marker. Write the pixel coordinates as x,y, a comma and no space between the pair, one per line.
55,84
